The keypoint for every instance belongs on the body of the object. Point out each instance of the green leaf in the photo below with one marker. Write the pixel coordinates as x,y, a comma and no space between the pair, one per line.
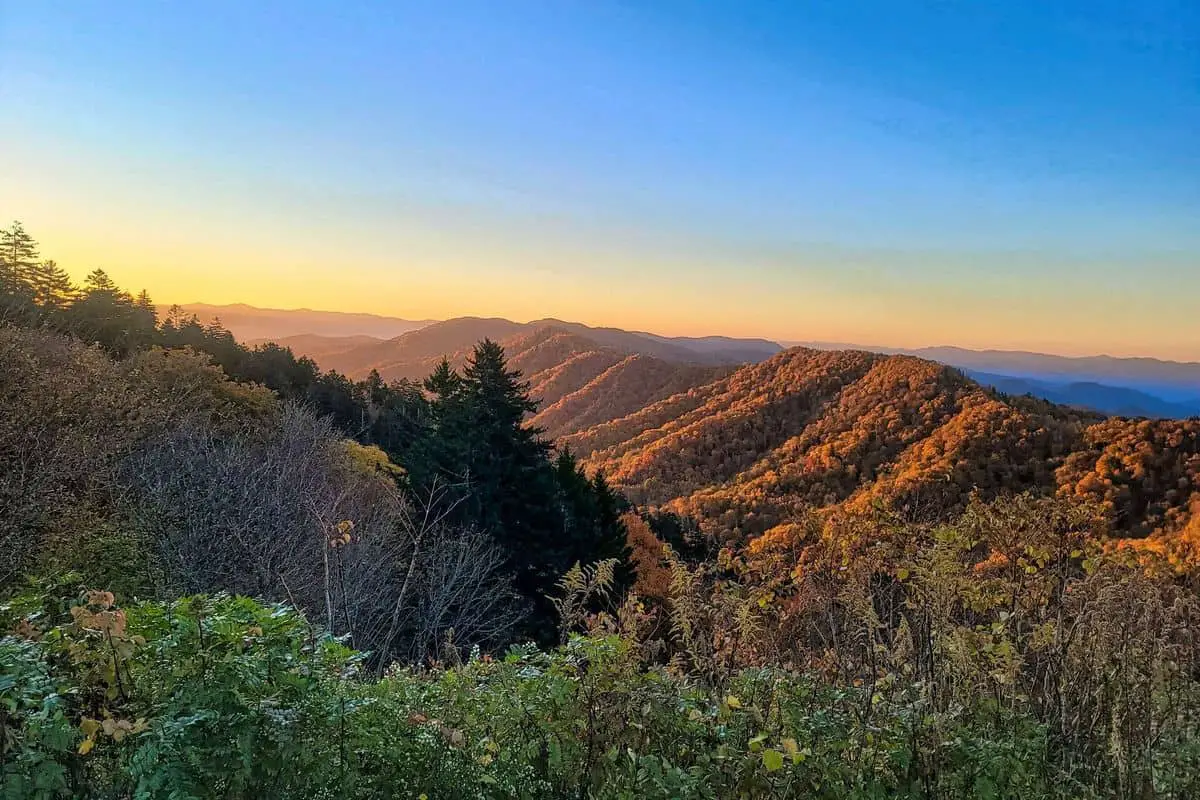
772,760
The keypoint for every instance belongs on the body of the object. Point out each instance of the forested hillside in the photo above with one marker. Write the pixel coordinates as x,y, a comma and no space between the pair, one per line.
811,429
230,574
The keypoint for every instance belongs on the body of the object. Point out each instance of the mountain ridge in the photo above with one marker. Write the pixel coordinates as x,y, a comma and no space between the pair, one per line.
1125,386
1172,385
248,322
818,429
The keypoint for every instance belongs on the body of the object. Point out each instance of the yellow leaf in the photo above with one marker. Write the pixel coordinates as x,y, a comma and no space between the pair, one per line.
790,747
772,760
86,746
732,701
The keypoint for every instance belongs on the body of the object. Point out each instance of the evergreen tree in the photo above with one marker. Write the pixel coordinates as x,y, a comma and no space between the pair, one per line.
18,256
111,318
611,537
593,529
19,252
273,366
52,288
441,454
334,395
510,490
443,383
399,415
179,330
220,343
98,283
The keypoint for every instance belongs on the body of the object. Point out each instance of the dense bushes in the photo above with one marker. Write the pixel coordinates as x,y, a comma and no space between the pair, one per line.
1008,655
216,697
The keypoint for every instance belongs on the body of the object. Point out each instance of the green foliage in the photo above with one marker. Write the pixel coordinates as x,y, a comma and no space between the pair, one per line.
217,697
36,737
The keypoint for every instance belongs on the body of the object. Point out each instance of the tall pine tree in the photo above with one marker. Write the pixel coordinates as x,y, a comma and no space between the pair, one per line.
51,286
19,252
18,258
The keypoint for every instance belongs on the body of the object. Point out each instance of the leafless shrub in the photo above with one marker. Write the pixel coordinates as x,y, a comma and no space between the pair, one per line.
288,512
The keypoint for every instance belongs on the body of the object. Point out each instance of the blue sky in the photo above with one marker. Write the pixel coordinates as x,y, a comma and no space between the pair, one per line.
1008,174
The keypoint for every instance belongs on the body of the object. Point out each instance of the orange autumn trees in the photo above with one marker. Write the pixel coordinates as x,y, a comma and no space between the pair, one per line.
815,430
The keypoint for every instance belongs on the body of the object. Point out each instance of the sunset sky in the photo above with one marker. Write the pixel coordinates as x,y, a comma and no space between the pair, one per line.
1011,174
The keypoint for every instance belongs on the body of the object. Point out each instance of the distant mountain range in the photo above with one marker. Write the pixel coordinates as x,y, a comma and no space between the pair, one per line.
1136,387
248,322
747,438
1117,400
413,354
357,343
580,375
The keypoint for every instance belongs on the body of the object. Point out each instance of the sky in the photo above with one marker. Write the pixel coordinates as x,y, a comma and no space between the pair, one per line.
1015,175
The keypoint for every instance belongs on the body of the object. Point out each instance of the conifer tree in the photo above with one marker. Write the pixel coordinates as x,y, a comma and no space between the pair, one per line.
443,383
52,288
593,529
98,283
19,252
18,256
112,318
399,416
511,491
611,539
501,452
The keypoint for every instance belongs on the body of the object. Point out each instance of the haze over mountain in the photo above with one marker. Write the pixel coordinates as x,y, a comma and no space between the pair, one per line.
250,322
1116,400
357,343
412,354
580,375
1148,387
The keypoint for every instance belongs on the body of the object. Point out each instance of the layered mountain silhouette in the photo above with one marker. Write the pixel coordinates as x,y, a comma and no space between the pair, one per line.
249,323
579,380
412,354
1148,387
1117,400
1145,387
747,447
